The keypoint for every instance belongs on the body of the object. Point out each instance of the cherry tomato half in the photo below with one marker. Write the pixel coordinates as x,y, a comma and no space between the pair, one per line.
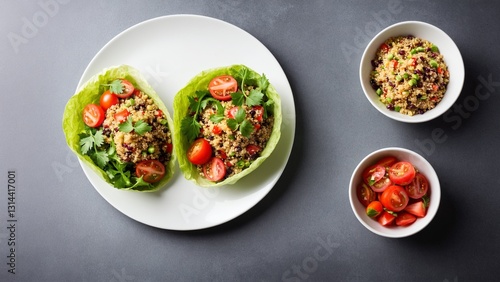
214,170
93,115
127,89
200,152
387,162
405,219
222,86
373,173
365,194
108,99
381,185
122,116
402,173
259,113
386,218
418,187
394,198
374,209
151,171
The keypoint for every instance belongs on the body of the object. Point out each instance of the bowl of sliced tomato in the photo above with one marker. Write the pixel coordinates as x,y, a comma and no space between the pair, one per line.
394,192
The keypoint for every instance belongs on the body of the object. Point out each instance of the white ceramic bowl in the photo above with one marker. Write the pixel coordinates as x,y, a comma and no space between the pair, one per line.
447,47
422,165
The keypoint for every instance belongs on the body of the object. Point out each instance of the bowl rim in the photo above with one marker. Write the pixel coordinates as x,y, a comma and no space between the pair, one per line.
400,232
455,85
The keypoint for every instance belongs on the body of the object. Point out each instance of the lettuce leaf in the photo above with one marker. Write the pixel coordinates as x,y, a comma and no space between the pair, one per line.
181,109
73,125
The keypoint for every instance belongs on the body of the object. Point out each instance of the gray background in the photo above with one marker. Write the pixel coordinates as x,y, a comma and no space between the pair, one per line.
68,232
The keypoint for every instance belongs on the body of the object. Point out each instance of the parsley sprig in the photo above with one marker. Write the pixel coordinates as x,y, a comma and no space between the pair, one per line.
104,155
116,86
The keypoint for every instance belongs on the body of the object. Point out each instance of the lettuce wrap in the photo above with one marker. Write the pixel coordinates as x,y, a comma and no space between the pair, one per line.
114,171
191,92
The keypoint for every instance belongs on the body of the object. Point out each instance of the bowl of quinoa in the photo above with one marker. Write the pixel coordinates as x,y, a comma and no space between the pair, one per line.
412,72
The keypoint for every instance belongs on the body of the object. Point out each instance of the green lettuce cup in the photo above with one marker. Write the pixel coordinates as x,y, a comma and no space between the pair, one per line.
243,127
131,148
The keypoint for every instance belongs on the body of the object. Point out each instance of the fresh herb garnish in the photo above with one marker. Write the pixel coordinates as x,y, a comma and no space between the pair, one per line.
115,86
104,155
239,122
140,127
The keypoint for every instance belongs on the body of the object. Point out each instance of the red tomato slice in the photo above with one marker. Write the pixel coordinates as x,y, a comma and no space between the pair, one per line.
216,130
384,47
253,149
394,198
381,185
402,173
214,170
418,187
122,116
222,86
373,173
365,194
374,209
386,218
127,89
405,219
387,162
418,209
93,115
232,112
200,152
151,171
108,99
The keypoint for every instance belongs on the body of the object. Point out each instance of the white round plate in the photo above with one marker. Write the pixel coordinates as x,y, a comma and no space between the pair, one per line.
169,51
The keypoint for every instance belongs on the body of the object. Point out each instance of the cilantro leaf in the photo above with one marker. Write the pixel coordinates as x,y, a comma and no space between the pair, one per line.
101,158
240,115
254,98
190,127
246,128
126,126
232,123
237,98
216,118
86,144
263,83
141,127
116,86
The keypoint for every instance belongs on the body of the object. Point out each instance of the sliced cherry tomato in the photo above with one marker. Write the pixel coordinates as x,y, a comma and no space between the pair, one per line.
413,62
418,209
385,47
127,89
402,173
418,187
200,152
151,171
256,127
386,218
214,170
394,63
365,194
122,115
374,209
222,86
108,99
259,112
373,173
159,113
216,130
222,154
394,198
232,112
387,162
405,219
382,184
253,149
93,115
